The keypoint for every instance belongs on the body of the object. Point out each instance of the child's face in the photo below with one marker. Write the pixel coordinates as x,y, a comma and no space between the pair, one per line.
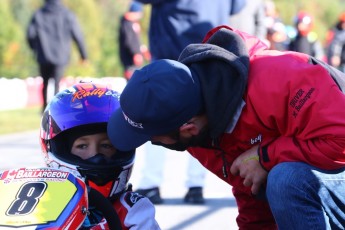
88,146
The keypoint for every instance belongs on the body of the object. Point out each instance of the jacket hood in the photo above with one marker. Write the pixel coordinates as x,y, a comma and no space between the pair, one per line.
222,65
53,6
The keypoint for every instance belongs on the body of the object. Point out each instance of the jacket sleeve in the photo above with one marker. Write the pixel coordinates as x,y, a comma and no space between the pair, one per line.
131,38
237,6
31,34
336,45
305,109
78,36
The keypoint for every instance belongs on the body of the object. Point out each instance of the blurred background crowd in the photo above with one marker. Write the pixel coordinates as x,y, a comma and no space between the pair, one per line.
100,19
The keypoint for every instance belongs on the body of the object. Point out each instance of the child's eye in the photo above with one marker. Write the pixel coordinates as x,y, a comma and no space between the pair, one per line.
107,146
81,146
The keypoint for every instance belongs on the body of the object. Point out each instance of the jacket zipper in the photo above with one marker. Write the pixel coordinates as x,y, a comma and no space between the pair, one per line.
215,145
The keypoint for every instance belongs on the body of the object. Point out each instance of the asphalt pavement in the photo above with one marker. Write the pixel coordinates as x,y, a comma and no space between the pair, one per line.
219,211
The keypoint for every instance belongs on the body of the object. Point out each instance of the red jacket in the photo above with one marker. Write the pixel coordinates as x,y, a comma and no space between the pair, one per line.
294,110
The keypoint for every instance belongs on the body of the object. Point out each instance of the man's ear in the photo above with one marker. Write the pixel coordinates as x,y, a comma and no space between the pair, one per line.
191,128
194,125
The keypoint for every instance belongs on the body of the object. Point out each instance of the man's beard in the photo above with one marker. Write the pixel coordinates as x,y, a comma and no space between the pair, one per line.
199,140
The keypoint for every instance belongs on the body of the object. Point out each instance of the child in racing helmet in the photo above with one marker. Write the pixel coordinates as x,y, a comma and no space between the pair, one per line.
74,139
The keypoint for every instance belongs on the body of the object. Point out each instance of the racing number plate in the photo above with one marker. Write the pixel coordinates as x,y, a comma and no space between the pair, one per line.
41,198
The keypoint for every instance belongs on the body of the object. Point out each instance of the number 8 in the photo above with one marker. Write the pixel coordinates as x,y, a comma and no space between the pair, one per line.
27,198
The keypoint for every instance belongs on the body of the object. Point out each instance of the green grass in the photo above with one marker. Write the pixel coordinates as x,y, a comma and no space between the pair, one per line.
20,120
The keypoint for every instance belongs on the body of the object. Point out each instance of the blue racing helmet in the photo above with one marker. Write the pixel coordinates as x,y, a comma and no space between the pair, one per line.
84,109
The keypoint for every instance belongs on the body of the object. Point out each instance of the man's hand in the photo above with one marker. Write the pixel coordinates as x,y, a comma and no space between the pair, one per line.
335,61
138,59
248,167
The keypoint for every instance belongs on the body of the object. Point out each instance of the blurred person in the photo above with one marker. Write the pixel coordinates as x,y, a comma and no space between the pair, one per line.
132,51
251,19
305,39
49,34
74,139
269,123
277,36
152,176
336,44
175,24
